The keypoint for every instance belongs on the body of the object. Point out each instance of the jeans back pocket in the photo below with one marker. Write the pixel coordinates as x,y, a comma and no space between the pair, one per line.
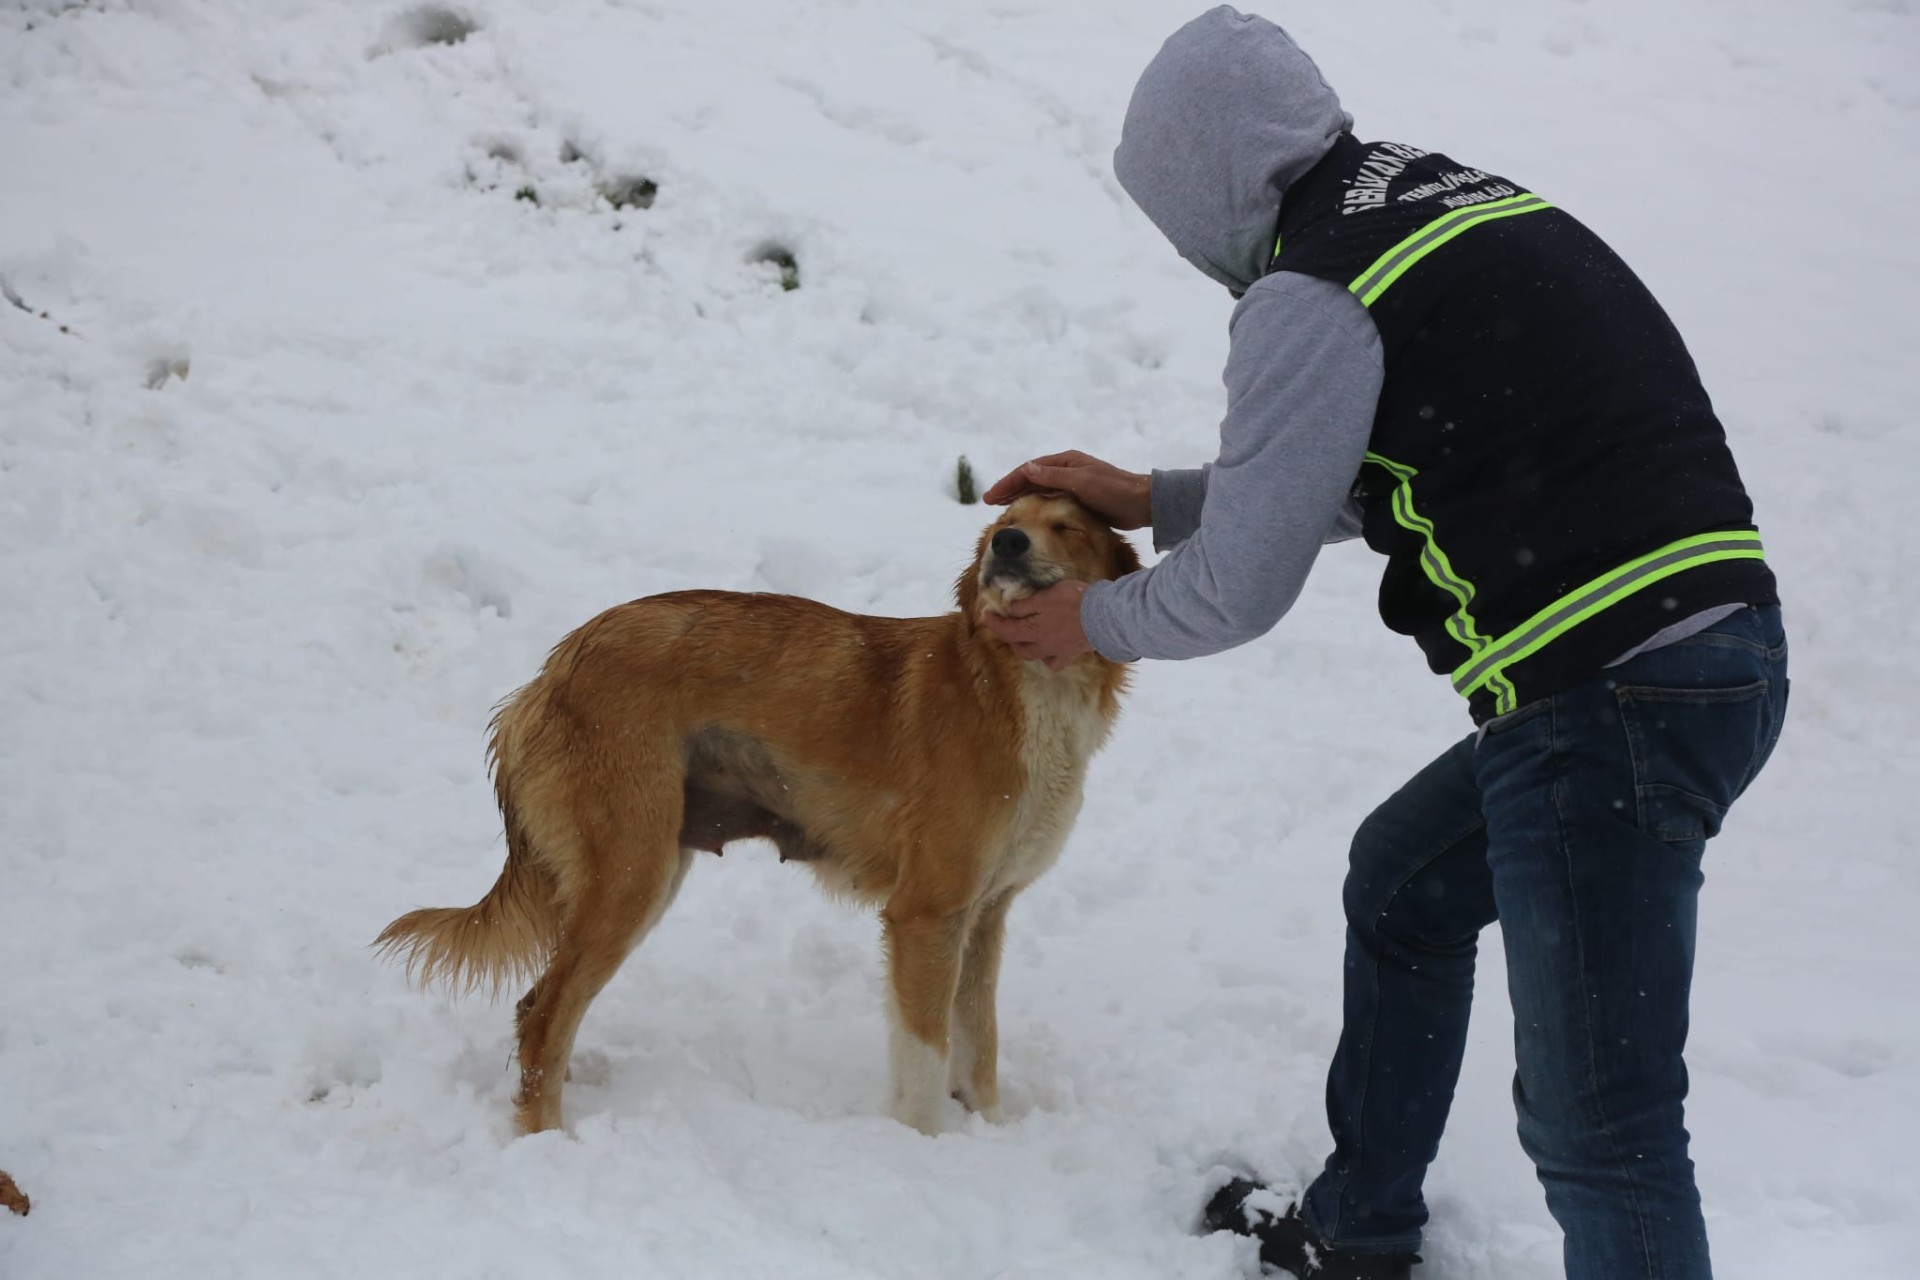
1694,751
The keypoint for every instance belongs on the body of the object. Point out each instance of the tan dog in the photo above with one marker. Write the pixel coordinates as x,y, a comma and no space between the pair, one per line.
912,763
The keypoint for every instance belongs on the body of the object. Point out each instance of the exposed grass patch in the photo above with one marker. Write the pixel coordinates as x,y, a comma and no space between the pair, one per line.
781,258
631,192
435,24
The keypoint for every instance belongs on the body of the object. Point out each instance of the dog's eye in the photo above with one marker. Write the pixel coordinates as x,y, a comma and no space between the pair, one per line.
1061,526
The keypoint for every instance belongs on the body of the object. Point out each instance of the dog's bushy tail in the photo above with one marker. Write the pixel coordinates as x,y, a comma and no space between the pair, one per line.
508,935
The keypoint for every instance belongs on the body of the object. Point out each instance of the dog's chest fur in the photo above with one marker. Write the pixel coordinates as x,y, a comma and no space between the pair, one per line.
1064,726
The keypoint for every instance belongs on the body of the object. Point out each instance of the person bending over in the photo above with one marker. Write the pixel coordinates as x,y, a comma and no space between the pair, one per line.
1441,361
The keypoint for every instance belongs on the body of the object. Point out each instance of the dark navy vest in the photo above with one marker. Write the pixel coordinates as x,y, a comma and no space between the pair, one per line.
1546,475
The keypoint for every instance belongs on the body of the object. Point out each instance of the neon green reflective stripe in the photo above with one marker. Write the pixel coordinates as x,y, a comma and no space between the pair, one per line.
1395,262
1605,591
1400,470
1433,561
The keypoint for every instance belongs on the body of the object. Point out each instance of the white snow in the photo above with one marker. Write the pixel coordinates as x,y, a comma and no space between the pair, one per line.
324,437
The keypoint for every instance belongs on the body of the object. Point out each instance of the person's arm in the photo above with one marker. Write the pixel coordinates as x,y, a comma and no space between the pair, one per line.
1303,379
1179,495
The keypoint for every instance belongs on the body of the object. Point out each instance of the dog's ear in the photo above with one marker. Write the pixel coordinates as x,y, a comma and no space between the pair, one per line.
966,591
1125,559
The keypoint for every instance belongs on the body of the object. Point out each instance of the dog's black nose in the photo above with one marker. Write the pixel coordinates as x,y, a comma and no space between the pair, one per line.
1011,543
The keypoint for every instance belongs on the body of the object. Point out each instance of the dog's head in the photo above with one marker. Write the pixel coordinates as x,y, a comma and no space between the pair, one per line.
1041,539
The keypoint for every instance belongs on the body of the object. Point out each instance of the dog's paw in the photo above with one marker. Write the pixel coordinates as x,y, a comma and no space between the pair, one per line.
995,1114
915,1113
992,1112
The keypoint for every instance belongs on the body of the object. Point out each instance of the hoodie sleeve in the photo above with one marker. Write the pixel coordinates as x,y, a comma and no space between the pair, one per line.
1179,495
1303,378
1176,502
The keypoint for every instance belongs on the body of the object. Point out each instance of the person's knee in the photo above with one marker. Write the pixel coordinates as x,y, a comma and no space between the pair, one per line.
1374,873
1440,903
1417,868
1570,1122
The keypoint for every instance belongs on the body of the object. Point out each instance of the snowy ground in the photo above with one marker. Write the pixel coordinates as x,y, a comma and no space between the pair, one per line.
314,436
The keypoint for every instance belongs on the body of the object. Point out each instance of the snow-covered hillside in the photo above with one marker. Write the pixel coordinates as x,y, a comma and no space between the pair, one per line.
356,351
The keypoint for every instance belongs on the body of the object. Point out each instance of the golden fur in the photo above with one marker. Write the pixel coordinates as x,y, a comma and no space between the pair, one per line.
912,763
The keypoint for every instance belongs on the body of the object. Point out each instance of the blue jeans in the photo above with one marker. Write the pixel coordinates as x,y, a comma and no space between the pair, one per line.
1578,822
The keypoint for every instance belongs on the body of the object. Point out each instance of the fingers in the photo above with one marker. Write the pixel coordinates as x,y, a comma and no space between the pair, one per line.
1049,471
1068,458
1015,633
1025,478
1007,487
1049,475
1045,626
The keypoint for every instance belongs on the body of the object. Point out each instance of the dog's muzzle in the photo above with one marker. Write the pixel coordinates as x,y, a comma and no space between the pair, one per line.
1009,565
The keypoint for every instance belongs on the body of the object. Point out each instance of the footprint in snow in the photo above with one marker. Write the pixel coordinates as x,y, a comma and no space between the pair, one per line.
1855,1057
422,26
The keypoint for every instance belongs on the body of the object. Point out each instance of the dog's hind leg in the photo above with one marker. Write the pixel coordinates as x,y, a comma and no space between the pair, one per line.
634,877
923,952
974,1070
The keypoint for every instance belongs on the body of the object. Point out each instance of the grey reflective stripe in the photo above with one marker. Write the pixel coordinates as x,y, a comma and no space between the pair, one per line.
1392,264
1608,589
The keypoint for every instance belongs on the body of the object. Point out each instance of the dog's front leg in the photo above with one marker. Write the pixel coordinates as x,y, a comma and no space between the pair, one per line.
923,957
974,1076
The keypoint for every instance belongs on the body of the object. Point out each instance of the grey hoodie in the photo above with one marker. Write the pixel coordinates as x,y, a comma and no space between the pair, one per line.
1228,114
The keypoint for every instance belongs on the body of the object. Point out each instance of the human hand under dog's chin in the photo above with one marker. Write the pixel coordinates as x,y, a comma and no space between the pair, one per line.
1045,626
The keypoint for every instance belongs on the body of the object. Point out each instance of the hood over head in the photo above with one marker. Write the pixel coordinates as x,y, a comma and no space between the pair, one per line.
1228,114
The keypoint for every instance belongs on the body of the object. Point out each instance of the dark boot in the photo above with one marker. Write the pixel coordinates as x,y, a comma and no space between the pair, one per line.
1288,1243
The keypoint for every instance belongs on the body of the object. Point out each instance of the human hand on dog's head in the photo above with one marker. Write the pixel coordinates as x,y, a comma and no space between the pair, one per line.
1123,498
1044,626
